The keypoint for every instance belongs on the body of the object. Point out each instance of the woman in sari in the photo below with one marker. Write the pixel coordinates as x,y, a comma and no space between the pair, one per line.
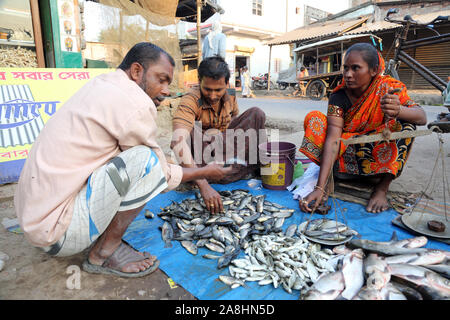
366,102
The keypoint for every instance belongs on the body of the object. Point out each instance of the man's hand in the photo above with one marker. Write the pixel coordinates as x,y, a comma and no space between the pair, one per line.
215,171
212,198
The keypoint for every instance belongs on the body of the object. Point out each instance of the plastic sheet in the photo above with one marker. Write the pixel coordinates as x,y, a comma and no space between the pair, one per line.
199,276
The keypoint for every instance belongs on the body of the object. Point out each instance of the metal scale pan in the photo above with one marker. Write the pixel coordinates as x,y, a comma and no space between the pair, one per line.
417,221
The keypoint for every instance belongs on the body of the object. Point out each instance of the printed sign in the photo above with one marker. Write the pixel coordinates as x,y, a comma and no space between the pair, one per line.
28,98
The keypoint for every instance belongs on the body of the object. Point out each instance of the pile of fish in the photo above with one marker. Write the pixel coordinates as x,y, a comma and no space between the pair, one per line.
244,216
326,229
394,270
290,262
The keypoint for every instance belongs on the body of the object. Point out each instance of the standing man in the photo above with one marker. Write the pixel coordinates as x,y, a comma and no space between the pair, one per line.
247,92
301,84
96,164
207,127
215,43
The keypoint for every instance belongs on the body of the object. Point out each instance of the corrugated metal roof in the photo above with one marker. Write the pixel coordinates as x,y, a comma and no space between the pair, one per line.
332,40
372,27
384,25
327,28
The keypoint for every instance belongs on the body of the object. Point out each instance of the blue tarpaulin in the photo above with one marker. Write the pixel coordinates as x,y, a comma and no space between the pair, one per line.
199,276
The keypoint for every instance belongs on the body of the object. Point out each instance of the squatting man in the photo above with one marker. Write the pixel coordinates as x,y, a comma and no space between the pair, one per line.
96,164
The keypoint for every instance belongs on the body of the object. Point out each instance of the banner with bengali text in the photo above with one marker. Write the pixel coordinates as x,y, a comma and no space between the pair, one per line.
28,98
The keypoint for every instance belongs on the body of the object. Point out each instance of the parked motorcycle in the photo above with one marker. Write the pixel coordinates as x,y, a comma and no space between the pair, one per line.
260,82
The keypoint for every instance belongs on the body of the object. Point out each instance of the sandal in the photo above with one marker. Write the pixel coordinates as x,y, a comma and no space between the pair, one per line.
123,255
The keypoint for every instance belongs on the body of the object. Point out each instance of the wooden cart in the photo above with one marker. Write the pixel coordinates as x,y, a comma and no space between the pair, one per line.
312,54
318,86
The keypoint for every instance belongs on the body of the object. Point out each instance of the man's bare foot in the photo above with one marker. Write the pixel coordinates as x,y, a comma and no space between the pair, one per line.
100,252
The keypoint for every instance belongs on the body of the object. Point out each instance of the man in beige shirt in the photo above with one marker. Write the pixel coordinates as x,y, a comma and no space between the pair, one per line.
96,164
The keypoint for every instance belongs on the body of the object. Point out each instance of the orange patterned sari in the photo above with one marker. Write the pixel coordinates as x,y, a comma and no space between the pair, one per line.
364,117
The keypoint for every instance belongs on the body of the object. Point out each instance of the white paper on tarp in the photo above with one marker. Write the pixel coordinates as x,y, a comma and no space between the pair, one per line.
304,185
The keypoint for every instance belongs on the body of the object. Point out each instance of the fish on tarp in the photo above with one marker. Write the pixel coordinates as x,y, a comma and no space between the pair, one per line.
290,231
391,292
352,271
227,258
381,248
407,291
210,256
251,219
418,259
190,247
410,243
388,292
218,234
260,204
442,269
167,234
231,281
326,229
319,234
148,214
214,247
366,293
184,236
327,287
244,202
341,249
429,283
377,272
236,225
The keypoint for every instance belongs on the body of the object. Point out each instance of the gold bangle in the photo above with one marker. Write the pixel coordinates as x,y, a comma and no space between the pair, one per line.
320,188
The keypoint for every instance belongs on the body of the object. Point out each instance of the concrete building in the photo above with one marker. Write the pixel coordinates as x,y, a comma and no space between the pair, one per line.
249,24
367,18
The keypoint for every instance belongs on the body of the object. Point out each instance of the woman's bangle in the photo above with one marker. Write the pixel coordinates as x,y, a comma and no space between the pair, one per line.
320,188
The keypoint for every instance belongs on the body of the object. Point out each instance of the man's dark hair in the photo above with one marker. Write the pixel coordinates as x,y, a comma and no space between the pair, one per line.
214,67
144,53
368,52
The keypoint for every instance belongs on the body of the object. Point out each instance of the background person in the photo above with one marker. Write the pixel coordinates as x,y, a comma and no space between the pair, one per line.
301,84
246,91
215,43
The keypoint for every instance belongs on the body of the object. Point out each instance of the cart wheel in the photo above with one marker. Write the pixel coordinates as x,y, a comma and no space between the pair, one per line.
282,85
316,90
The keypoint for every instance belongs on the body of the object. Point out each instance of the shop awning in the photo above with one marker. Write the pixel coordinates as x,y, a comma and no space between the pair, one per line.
332,40
187,10
379,26
325,29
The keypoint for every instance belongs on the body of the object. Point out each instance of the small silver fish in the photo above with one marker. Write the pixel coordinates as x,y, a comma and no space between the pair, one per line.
214,247
190,247
148,214
167,234
290,231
